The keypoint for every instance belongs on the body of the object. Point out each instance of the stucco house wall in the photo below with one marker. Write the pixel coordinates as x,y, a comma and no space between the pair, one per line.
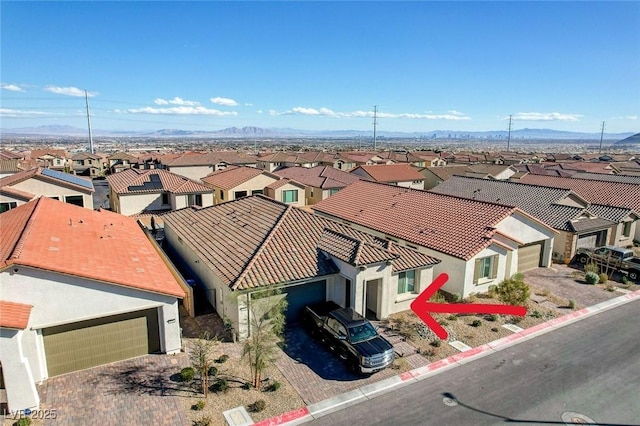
50,190
192,172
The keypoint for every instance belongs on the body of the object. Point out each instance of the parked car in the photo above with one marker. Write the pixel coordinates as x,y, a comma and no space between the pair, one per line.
615,258
350,335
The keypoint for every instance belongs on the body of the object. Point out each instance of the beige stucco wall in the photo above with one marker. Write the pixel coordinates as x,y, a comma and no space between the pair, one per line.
130,204
46,189
616,237
180,201
412,184
192,172
277,194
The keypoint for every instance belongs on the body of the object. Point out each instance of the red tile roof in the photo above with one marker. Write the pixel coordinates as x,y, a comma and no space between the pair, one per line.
282,182
98,245
14,315
208,159
455,226
136,181
595,191
232,176
392,172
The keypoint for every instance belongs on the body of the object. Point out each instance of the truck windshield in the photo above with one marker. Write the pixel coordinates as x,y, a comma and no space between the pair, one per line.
362,333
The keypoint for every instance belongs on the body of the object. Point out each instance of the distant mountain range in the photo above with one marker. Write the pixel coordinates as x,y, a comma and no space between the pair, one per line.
274,133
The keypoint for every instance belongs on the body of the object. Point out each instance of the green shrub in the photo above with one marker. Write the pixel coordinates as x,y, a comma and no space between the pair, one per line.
187,374
213,371
493,290
495,329
198,405
438,297
452,317
24,421
443,323
603,278
572,304
591,277
456,297
536,314
220,385
624,280
258,406
222,359
202,421
513,291
476,323
591,267
274,386
247,386
436,343
492,317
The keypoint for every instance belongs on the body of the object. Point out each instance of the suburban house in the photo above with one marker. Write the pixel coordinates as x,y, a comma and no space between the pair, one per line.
287,191
404,175
613,194
236,182
339,161
195,166
579,223
607,177
321,181
24,186
121,161
80,288
55,159
433,176
479,243
429,159
87,164
277,160
245,245
135,191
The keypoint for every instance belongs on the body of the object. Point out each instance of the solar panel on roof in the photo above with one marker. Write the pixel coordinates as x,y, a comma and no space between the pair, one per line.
68,178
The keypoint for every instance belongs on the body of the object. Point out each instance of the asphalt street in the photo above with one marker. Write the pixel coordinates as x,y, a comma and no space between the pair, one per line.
588,371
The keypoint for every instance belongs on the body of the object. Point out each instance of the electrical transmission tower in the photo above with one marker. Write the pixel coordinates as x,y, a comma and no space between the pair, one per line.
601,136
375,125
509,134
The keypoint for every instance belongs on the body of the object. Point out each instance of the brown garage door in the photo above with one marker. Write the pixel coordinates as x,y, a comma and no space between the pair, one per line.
86,344
529,256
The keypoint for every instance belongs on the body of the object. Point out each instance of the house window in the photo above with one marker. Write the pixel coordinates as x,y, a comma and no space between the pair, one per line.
486,268
626,230
290,196
7,206
333,191
240,194
195,200
407,281
221,195
257,191
76,200
165,198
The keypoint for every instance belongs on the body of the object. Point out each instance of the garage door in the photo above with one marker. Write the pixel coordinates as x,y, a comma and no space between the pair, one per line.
302,295
529,256
86,344
588,240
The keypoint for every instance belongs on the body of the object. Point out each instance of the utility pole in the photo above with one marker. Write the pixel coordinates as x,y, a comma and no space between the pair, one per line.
375,125
509,134
601,136
86,99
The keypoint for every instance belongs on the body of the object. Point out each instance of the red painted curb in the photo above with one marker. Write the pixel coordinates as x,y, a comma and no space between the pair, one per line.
534,329
436,365
407,375
285,417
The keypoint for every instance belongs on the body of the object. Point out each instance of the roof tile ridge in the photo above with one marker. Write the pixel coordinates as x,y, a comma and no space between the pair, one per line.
24,235
262,247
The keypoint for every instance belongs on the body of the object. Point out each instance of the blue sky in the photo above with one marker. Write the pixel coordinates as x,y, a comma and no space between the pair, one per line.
322,65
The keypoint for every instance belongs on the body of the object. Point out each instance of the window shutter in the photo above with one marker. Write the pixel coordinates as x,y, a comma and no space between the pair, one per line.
476,271
494,266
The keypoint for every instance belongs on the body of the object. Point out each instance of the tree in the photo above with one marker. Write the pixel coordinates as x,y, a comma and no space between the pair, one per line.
513,291
266,324
201,357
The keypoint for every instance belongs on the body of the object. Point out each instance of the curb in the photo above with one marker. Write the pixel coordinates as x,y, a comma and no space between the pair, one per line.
319,409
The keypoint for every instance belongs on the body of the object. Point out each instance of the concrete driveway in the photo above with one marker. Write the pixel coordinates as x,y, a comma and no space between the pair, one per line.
560,280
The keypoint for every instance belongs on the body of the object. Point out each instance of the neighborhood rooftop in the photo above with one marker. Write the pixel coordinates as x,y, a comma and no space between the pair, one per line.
231,176
325,177
99,245
451,225
48,175
132,181
14,315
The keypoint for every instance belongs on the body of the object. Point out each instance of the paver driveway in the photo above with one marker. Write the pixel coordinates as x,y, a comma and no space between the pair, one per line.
138,391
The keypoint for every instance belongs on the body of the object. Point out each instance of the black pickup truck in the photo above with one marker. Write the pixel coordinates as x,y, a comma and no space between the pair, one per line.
350,335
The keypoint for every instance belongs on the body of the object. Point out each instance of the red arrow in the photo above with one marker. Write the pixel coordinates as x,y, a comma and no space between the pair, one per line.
422,307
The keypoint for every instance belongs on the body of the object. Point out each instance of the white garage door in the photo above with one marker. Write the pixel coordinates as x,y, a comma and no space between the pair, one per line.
529,256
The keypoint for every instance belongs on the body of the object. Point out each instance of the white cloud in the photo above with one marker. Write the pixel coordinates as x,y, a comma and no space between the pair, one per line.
259,111
545,116
68,91
16,113
631,117
175,101
180,110
223,101
326,112
11,87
